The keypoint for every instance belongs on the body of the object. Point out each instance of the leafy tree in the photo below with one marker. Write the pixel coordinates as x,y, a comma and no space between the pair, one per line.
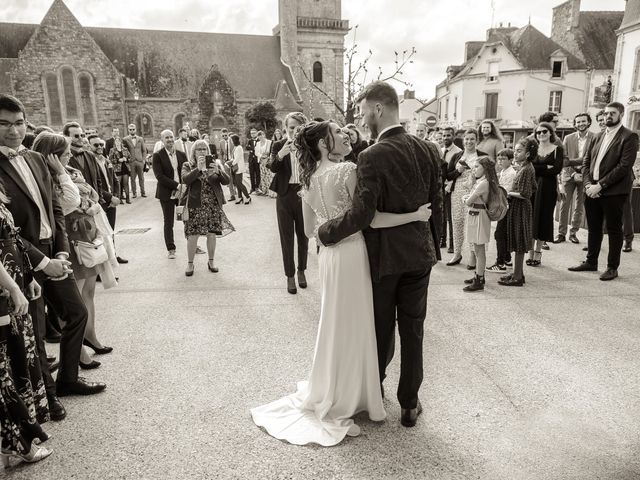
262,116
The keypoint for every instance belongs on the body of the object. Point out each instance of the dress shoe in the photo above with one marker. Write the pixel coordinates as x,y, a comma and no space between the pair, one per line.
79,387
302,280
477,284
99,351
454,261
511,282
509,277
584,267
409,416
545,246
129,202
560,239
134,196
54,366
471,267
573,239
56,410
121,260
627,246
53,337
609,274
93,364
450,250
231,199
144,195
291,285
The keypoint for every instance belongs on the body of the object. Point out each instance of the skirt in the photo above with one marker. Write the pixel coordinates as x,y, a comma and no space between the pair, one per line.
478,227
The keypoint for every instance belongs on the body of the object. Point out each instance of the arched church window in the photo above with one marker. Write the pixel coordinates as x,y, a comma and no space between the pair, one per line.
217,101
53,99
317,72
69,91
87,99
144,122
178,123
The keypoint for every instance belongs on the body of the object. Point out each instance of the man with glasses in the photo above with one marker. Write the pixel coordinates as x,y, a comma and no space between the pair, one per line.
608,179
109,179
37,212
138,150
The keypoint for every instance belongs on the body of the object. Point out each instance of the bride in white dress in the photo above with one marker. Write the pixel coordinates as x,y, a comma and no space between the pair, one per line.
344,377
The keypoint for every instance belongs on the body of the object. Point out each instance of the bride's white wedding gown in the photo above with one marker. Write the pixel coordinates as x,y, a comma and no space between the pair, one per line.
344,377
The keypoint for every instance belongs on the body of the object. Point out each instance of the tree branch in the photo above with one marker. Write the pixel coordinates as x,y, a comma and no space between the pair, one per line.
319,89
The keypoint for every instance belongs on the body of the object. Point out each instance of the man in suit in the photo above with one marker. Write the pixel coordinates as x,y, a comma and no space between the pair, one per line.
224,152
254,166
286,183
397,174
571,185
115,132
167,167
608,178
450,150
138,150
37,212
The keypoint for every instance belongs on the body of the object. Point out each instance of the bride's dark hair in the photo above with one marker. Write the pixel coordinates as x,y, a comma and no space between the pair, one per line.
306,143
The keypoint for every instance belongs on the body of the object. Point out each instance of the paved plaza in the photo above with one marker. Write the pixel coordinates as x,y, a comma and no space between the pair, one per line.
539,382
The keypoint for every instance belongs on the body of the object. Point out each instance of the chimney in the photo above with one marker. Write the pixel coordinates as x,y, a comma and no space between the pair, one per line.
566,16
409,94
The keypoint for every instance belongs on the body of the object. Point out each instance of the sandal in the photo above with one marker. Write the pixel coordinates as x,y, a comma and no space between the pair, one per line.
537,259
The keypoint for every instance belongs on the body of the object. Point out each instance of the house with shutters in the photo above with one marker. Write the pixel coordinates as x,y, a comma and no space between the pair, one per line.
110,77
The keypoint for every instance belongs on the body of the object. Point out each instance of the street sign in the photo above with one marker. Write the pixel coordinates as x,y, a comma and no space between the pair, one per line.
431,121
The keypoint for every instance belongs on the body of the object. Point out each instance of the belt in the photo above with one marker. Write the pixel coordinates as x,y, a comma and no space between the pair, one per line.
46,241
478,206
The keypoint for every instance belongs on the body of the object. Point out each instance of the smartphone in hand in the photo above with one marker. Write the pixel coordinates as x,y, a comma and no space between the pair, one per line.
210,161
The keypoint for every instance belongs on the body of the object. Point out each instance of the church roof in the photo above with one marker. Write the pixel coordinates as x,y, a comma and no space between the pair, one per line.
631,14
173,63
597,38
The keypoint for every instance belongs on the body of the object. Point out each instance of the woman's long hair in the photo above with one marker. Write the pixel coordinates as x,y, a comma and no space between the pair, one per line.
494,133
50,143
353,128
306,143
192,157
490,174
551,128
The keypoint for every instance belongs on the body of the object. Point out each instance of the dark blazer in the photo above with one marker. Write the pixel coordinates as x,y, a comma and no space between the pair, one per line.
163,171
281,168
616,168
251,148
88,165
193,179
397,174
108,145
26,214
452,173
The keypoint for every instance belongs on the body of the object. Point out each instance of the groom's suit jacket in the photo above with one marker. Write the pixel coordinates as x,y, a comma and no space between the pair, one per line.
397,174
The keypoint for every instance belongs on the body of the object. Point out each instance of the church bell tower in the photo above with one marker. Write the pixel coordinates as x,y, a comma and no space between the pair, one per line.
312,38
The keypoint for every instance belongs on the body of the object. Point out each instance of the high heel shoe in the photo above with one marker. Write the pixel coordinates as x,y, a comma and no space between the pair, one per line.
36,454
99,351
536,261
248,201
240,201
189,271
211,267
93,364
454,261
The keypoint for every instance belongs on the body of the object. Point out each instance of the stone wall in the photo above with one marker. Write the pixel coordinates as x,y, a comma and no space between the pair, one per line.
564,26
61,41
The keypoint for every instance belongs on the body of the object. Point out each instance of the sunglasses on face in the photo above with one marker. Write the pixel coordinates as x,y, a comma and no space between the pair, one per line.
97,145
79,135
542,132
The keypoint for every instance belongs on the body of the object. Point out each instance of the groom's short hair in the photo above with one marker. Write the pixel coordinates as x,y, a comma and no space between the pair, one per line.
380,92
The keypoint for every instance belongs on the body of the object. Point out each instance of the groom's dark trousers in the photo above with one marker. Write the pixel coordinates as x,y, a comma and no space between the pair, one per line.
397,174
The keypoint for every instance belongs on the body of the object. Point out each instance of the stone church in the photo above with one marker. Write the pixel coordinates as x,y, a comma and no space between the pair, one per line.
110,77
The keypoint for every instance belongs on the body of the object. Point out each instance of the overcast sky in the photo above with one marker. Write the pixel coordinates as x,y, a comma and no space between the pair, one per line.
437,29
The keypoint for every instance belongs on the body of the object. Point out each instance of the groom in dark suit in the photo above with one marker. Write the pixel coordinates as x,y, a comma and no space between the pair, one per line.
397,174
608,178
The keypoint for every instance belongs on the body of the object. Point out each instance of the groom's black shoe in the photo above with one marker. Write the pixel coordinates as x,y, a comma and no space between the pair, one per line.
409,416
291,285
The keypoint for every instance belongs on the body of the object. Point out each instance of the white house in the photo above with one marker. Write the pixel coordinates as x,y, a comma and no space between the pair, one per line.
627,65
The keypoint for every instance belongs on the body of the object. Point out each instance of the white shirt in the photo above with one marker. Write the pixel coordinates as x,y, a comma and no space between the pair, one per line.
507,177
604,146
263,150
173,158
387,129
21,166
450,151
295,166
103,166
582,142
238,159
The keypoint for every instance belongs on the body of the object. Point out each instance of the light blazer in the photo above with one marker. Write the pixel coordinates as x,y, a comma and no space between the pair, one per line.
138,151
26,214
616,168
572,160
163,170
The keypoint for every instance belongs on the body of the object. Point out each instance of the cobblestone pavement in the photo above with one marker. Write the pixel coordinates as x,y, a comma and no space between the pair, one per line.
538,382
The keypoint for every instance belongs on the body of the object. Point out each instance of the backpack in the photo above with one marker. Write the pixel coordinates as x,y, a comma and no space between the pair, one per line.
498,205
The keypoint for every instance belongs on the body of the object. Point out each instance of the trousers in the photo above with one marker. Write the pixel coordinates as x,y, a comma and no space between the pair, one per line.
290,223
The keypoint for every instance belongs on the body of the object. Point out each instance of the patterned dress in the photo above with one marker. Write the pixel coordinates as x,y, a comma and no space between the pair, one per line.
520,213
209,217
23,399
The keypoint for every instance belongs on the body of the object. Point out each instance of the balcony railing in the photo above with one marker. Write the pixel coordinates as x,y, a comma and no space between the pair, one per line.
328,23
481,114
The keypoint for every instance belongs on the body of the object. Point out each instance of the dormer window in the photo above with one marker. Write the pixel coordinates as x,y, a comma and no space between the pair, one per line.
556,71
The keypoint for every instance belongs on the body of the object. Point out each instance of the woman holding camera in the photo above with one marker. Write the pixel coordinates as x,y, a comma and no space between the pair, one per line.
204,178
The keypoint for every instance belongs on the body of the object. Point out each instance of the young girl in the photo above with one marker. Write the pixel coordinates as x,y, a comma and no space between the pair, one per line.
478,227
520,213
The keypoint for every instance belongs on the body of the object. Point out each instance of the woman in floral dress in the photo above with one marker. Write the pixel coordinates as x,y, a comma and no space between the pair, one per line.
23,399
203,201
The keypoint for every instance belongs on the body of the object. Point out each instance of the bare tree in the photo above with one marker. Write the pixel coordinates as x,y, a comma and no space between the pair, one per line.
357,76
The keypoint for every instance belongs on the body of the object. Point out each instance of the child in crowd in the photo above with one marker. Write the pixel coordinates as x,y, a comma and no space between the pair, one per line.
506,176
478,226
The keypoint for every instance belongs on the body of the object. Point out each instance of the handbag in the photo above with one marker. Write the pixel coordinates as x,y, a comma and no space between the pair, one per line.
81,226
90,254
182,211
